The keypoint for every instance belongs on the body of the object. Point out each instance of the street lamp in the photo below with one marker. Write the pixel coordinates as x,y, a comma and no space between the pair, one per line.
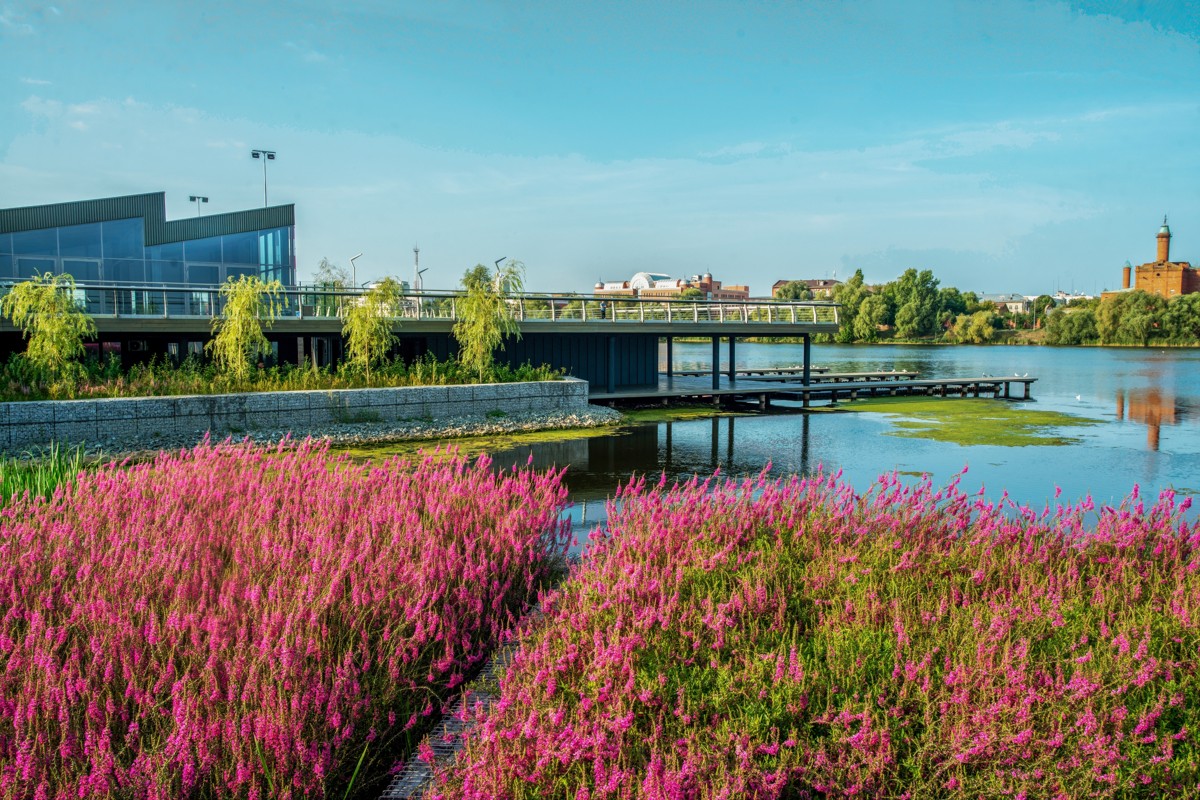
197,199
265,155
354,270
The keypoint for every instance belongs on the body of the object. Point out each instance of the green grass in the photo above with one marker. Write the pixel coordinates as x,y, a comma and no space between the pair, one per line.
40,473
973,421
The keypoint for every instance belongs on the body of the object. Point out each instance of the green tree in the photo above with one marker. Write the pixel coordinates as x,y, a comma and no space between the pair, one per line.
485,316
916,298
691,293
331,275
1181,320
329,280
1128,317
794,290
870,316
238,339
45,310
368,325
977,328
850,295
951,303
1071,325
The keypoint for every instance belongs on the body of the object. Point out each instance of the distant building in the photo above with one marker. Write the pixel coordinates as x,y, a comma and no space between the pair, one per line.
1162,276
1061,298
820,287
657,284
1013,303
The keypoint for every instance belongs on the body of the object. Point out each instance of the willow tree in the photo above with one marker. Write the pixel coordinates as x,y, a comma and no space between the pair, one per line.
46,311
250,305
485,315
368,324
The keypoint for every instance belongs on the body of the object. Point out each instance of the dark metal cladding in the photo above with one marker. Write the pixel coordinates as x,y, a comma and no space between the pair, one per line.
150,207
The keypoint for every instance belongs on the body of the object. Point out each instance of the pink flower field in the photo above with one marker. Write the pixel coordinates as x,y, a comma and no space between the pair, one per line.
236,621
793,639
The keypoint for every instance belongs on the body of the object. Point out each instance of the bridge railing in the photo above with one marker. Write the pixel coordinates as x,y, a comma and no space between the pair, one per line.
173,301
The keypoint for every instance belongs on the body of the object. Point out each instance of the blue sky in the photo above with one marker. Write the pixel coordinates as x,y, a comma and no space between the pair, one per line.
1007,146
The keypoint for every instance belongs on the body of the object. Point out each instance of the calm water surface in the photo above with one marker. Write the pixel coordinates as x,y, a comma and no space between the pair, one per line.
1146,401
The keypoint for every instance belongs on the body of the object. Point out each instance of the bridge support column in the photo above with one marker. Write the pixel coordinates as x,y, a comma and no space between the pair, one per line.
612,364
732,359
670,356
716,362
807,359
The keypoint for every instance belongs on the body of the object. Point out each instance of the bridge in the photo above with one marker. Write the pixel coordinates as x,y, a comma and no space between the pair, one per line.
611,342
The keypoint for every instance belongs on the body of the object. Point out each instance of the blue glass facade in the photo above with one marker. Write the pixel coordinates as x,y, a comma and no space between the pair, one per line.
114,251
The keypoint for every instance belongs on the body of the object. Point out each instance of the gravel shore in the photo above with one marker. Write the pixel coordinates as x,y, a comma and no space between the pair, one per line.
361,433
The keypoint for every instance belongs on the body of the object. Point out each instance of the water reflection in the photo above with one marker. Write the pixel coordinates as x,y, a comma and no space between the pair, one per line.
1151,407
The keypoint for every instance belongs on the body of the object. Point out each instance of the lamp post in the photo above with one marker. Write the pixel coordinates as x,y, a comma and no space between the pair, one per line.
197,199
354,270
265,155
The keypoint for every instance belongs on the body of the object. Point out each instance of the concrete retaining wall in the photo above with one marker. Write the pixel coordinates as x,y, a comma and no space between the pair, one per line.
146,420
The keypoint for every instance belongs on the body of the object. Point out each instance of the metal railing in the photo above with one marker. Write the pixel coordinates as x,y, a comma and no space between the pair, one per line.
175,301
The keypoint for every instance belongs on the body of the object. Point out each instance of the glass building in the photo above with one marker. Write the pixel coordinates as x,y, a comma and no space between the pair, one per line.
115,243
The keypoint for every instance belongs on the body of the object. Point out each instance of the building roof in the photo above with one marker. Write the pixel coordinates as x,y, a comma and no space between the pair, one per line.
152,208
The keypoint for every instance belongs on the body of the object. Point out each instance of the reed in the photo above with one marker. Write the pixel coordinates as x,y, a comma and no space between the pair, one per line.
40,474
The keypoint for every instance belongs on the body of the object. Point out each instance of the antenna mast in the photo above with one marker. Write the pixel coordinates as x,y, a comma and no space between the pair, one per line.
418,283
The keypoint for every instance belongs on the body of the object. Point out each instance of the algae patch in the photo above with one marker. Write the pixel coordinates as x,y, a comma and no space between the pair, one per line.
469,446
974,421
640,416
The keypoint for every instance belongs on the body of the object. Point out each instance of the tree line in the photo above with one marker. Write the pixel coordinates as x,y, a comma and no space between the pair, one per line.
915,307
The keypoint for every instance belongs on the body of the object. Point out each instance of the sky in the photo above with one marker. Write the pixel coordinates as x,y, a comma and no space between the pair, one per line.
1007,146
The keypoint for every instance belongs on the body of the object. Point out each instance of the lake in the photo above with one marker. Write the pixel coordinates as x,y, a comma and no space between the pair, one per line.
1146,403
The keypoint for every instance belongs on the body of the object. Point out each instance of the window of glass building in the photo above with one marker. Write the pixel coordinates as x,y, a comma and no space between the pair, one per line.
123,238
82,270
203,250
124,269
80,240
36,243
29,267
203,274
240,248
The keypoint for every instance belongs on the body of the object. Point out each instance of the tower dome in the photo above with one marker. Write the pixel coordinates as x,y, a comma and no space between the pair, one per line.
1164,242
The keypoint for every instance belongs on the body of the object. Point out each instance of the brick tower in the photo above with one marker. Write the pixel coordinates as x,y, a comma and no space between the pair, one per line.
1164,242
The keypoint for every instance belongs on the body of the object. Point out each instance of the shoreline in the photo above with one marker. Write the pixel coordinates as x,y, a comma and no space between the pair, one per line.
373,433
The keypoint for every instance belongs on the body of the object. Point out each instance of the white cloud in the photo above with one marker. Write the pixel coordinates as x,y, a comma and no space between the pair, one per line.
41,107
11,22
35,82
307,53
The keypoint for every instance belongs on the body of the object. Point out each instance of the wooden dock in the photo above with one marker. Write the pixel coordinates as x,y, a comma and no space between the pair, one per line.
677,387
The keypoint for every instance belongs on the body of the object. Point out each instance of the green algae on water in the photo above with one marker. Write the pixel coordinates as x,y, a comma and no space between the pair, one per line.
638,416
469,446
974,421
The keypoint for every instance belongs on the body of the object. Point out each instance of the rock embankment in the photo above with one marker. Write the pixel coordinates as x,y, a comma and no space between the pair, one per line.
365,433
